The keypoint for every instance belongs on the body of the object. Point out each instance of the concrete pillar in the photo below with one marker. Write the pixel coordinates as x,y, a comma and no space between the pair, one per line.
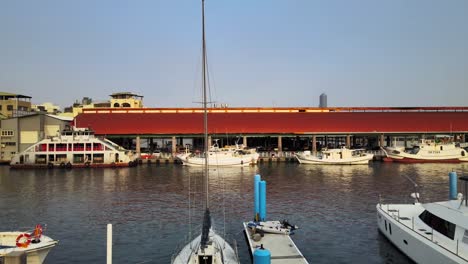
138,145
210,142
406,142
280,144
348,141
462,138
174,146
314,144
381,140
244,141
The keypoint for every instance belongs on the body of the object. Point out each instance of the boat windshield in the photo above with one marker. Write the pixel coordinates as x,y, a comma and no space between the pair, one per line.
414,150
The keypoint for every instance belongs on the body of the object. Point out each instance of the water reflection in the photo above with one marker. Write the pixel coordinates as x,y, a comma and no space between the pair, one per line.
148,206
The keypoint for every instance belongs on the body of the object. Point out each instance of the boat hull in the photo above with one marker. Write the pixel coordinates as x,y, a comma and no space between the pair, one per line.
81,165
318,161
35,253
418,248
421,160
221,251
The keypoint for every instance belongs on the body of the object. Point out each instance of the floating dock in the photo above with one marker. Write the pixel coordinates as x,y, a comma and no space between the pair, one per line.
281,247
270,241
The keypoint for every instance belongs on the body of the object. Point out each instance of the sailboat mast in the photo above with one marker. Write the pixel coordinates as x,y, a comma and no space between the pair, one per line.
205,106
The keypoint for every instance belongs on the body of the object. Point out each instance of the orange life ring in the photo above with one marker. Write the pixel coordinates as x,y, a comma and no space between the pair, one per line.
37,232
23,240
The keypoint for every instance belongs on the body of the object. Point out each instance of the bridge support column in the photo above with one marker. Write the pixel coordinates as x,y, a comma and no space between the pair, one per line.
174,146
280,145
244,141
381,140
462,138
210,142
138,145
314,144
348,141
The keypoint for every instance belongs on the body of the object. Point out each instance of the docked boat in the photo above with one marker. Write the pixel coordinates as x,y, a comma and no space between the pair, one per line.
428,150
208,247
341,156
74,148
29,247
428,233
226,156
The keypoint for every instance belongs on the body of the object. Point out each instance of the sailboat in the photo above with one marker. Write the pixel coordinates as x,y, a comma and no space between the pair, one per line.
208,247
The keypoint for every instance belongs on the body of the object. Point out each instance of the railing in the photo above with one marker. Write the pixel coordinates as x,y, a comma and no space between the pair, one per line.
395,214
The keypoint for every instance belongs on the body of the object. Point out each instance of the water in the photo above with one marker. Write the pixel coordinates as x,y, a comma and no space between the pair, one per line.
148,206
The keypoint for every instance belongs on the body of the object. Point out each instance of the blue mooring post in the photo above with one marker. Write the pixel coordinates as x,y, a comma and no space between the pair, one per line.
262,200
257,196
453,185
262,256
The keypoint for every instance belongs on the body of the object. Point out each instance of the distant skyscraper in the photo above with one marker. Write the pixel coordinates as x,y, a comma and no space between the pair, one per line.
323,100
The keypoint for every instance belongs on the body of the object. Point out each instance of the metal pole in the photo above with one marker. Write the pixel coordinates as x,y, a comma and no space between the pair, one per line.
109,244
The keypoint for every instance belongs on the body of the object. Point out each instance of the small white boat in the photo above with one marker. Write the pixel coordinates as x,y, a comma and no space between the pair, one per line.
342,156
427,233
30,246
273,227
428,151
221,157
77,147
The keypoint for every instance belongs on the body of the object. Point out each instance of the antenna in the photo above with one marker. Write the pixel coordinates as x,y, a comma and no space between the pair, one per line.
415,195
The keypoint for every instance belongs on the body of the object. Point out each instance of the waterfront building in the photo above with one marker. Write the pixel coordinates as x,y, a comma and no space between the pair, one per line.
12,105
118,100
279,129
48,108
18,133
126,99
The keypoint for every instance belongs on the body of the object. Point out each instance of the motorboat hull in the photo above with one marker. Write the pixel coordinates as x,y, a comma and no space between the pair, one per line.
34,253
318,161
415,243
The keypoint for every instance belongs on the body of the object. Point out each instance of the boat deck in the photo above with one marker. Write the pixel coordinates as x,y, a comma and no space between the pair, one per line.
281,247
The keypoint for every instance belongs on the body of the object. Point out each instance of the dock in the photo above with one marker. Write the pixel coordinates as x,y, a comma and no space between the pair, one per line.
281,247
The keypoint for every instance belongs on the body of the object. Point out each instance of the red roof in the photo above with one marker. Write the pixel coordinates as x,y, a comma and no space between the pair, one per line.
120,122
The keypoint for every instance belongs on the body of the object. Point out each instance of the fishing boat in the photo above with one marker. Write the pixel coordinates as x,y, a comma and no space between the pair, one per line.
428,150
74,148
435,232
208,247
29,247
236,155
341,156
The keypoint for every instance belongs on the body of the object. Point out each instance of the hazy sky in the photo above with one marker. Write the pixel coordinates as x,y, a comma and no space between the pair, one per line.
260,53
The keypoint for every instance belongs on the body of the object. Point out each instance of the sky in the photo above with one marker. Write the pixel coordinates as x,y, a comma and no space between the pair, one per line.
262,53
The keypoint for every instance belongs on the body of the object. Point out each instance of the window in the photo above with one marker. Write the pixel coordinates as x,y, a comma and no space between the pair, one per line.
10,143
440,225
390,228
7,133
10,107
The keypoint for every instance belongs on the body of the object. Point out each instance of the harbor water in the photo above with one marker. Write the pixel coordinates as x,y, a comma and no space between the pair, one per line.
148,205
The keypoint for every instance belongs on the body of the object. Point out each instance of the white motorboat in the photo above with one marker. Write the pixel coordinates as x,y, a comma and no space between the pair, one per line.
427,233
208,247
341,156
220,157
428,151
29,247
77,147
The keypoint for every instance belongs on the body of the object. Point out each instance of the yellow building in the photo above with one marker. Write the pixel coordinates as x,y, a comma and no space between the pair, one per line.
12,105
126,99
118,100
